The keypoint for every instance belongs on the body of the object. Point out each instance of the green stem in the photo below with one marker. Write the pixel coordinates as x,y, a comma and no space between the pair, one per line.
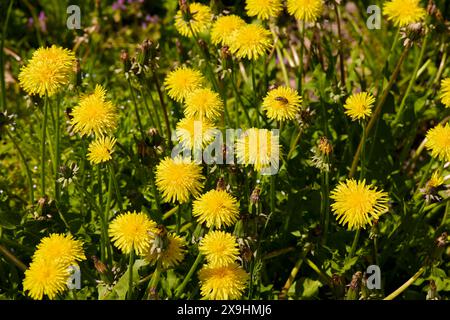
411,81
2,56
272,193
326,278
293,274
446,212
113,177
294,143
378,109
341,52
355,242
136,109
194,266
25,163
238,97
363,150
57,152
327,205
164,107
302,45
130,275
12,258
152,286
43,136
375,249
402,288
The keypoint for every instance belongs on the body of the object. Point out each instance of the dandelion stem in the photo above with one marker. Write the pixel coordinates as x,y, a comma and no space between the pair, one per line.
130,275
378,109
355,242
12,258
411,81
444,217
280,56
57,152
155,191
27,169
158,120
136,109
2,55
164,107
363,150
326,278
113,178
153,284
238,97
341,52
302,45
43,137
284,291
294,143
194,266
326,197
402,288
272,193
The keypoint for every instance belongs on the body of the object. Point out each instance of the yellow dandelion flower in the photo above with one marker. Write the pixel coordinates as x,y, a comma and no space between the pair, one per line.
46,277
258,147
132,231
203,103
436,180
263,9
250,41
282,103
356,203
305,10
445,92
223,28
216,208
48,71
438,142
359,105
404,12
94,114
195,133
222,283
220,248
178,178
170,256
196,20
101,150
181,82
60,247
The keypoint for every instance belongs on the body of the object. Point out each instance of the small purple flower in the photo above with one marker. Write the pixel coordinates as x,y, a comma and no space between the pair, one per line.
43,21
119,5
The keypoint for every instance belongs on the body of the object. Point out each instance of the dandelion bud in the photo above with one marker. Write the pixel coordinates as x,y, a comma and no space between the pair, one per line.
432,293
412,33
125,58
99,265
325,146
354,287
374,231
225,53
155,138
254,198
337,286
440,244
221,184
